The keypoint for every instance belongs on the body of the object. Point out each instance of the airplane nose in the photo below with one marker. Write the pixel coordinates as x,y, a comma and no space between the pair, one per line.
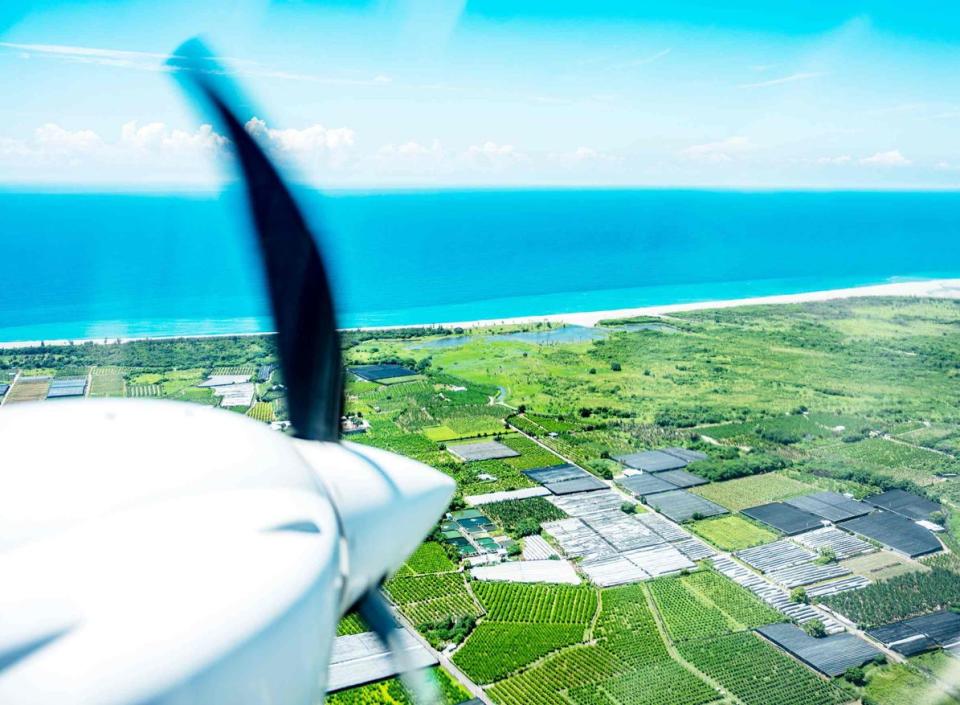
386,504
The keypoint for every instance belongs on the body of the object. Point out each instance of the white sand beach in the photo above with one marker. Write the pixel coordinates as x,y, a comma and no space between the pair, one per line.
929,288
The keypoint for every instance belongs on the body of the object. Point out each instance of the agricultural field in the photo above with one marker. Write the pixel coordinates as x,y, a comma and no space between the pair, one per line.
759,674
262,411
531,455
496,649
895,684
429,558
427,599
523,517
898,461
750,491
705,604
107,382
732,533
555,604
351,624
627,665
882,565
28,389
903,596
140,391
777,380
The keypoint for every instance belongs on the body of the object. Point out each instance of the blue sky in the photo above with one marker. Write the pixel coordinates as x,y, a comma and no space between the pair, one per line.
446,93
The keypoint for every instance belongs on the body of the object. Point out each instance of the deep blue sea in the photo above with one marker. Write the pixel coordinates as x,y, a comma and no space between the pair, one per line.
100,265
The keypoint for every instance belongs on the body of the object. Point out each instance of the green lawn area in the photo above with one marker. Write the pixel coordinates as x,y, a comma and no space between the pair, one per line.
896,460
732,533
896,684
440,433
750,491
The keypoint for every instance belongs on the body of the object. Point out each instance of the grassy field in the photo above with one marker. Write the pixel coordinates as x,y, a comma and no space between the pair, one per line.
107,382
750,491
896,684
882,565
732,533
27,389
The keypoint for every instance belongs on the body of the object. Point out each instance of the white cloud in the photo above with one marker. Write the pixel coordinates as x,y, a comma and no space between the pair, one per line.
54,139
717,152
412,150
308,141
490,154
842,159
581,155
157,136
891,158
802,76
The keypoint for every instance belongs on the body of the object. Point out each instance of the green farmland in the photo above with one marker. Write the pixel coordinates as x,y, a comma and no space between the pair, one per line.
856,396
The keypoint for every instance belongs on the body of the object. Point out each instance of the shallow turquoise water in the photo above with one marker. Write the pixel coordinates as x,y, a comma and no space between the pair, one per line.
109,265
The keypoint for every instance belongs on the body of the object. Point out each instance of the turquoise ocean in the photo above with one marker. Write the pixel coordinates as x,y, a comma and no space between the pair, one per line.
106,265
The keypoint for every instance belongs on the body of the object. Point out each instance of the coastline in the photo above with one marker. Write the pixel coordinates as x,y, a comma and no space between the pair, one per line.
931,288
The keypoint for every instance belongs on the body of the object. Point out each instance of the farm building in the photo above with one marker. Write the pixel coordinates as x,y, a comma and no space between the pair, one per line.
652,461
505,496
645,484
895,532
555,473
913,636
905,504
617,548
377,373
565,479
67,387
235,394
832,655
831,506
541,571
783,517
588,483
3,389
486,450
362,658
680,506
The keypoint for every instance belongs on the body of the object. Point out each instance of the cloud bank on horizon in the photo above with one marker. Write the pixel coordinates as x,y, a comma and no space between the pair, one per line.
434,93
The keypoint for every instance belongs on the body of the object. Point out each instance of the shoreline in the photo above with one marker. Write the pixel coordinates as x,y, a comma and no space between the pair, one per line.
930,288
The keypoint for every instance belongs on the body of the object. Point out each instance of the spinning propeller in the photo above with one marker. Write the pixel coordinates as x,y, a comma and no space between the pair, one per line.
162,552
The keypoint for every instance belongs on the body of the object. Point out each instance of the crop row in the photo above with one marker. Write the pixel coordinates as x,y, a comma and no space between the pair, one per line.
660,683
554,604
532,455
404,590
496,649
758,674
736,601
685,614
626,626
428,558
899,597
522,517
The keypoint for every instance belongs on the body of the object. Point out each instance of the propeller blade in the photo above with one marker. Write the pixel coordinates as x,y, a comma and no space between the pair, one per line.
374,611
300,296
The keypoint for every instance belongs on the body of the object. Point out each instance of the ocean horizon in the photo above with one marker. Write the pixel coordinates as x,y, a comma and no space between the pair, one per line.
109,265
